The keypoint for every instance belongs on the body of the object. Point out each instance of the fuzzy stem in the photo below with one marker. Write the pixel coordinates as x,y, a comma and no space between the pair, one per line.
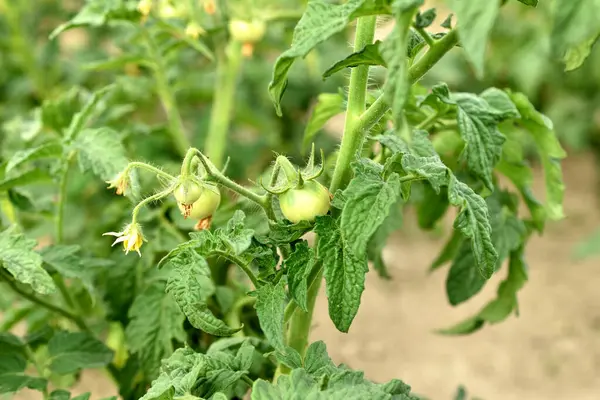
217,176
300,323
149,168
62,197
228,67
148,200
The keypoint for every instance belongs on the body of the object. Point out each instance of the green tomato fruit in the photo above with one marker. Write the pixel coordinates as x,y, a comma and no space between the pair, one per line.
305,203
205,206
247,32
187,192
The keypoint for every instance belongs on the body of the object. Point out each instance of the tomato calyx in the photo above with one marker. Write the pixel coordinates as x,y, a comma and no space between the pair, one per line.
293,178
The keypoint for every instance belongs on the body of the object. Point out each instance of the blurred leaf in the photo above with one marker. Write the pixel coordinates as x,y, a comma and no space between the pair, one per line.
101,151
328,105
576,55
71,351
13,363
18,258
369,55
270,305
47,150
25,178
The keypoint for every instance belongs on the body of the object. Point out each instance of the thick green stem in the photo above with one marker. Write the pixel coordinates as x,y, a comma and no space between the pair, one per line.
167,98
300,323
357,92
228,68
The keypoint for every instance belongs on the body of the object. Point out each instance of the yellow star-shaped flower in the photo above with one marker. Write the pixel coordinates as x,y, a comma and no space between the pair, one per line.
131,237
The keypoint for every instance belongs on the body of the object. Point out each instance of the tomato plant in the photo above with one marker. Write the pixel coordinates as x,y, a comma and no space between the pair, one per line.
185,105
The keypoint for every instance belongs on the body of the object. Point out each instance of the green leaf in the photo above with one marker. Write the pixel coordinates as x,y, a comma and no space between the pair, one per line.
576,55
155,322
432,207
503,305
25,178
24,264
532,3
369,55
394,51
508,233
101,151
425,19
71,351
473,222
575,23
67,262
190,285
57,113
178,375
89,110
317,362
477,124
283,233
549,149
51,149
328,105
320,21
298,266
475,22
270,306
289,357
590,247
13,362
449,251
392,223
100,12
343,269
368,201
235,237
66,395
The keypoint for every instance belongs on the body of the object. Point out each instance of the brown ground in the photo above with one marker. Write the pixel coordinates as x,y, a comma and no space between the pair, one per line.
552,351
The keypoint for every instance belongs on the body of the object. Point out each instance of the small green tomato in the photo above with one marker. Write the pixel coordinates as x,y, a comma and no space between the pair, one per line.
205,206
187,192
247,32
305,203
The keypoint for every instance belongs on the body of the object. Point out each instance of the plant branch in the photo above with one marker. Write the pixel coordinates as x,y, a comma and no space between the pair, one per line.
149,168
47,305
218,177
426,36
148,200
167,98
435,53
228,67
240,263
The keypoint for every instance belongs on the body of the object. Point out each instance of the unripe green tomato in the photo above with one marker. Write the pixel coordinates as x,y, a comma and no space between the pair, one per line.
187,192
247,32
306,203
205,206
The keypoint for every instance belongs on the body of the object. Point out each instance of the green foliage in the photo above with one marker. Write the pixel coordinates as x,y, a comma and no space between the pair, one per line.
222,310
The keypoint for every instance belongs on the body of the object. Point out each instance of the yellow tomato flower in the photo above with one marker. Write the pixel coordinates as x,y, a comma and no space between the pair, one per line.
144,7
120,182
194,30
131,237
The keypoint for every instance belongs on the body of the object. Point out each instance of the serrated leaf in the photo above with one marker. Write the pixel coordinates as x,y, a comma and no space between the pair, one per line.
343,269
392,223
155,322
393,50
178,375
316,361
549,149
289,357
270,306
283,233
101,151
369,198
190,285
24,264
369,55
235,236
475,22
508,233
100,12
320,21
327,106
298,266
473,222
66,261
47,150
87,112
432,207
503,305
71,351
57,113
25,178
477,124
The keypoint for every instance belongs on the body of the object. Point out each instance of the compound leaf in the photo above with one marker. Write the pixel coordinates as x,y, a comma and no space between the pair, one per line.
71,351
270,306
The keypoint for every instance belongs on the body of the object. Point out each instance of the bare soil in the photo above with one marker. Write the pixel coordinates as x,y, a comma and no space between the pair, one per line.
552,351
